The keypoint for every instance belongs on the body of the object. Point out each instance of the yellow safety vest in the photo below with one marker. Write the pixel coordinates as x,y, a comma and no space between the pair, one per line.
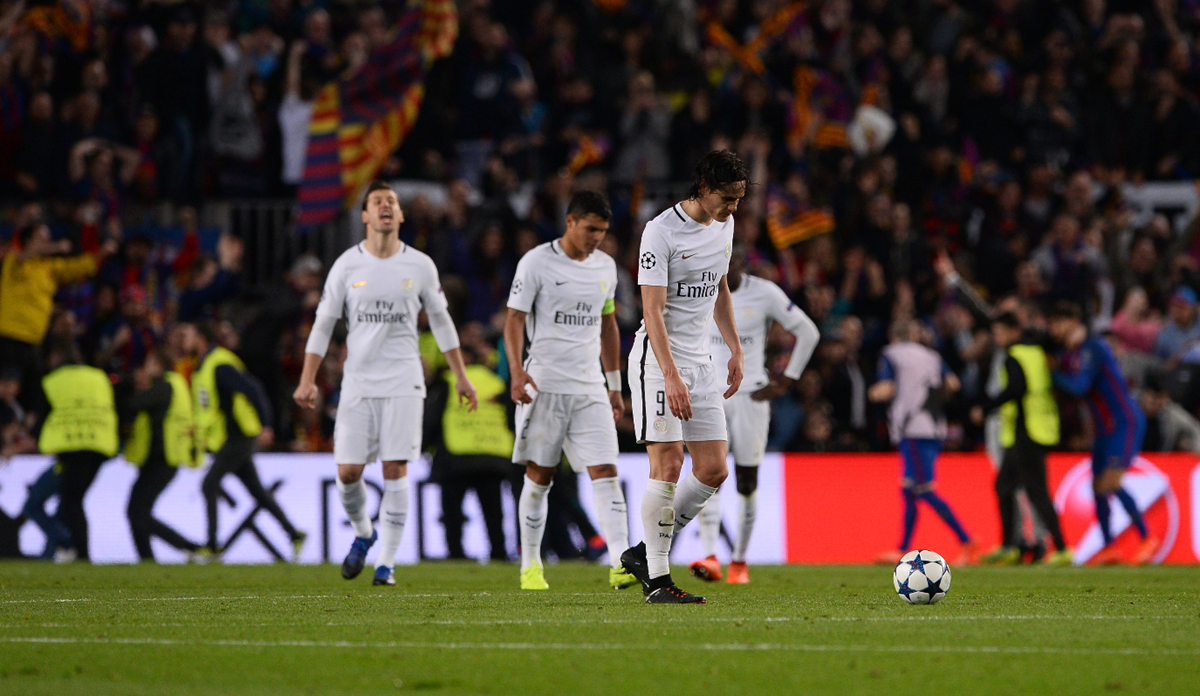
210,419
486,430
1041,411
179,429
83,416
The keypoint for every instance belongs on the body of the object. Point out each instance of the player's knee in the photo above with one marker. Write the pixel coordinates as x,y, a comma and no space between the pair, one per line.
713,477
349,475
602,471
747,479
540,474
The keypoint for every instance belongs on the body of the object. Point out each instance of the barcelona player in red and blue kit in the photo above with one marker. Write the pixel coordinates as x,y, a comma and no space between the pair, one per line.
1088,369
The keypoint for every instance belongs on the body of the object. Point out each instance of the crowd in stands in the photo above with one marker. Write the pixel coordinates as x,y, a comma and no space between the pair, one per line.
912,158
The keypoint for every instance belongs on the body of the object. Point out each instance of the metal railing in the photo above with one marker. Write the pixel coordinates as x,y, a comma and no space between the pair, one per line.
271,240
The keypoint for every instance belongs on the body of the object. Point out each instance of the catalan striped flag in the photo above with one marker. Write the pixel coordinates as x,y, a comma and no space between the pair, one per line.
360,119
790,221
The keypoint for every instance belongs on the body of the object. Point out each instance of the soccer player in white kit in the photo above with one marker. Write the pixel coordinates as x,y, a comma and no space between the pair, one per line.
380,286
683,261
563,299
758,304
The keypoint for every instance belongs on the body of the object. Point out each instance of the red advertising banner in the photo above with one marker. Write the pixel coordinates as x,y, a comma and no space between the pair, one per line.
848,508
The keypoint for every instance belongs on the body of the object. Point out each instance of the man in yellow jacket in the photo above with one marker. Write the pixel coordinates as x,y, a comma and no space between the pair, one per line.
30,276
81,429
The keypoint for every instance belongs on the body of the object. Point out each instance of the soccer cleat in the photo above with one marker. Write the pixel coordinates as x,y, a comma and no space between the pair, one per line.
1062,557
298,544
707,569
672,594
204,556
889,557
1107,556
1146,550
619,579
532,578
384,576
595,548
969,553
357,558
634,562
737,574
1002,555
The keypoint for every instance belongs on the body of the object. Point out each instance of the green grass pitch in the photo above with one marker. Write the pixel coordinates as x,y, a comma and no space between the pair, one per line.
455,628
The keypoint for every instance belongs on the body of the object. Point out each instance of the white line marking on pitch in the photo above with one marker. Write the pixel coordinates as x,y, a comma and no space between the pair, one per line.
703,647
267,598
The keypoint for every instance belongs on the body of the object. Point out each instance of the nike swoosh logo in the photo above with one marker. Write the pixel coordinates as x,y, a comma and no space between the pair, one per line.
664,524
687,256
562,282
534,520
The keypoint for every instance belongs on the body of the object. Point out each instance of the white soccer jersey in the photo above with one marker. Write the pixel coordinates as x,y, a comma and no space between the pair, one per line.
565,300
380,299
757,304
689,260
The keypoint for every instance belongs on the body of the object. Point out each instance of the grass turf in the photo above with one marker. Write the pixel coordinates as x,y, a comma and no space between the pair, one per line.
465,628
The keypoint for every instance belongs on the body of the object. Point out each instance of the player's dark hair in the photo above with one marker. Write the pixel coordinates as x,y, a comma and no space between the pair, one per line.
716,170
584,203
1066,309
1008,319
376,185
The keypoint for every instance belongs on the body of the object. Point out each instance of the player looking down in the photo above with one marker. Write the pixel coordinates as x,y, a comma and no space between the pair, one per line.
683,262
562,298
380,285
758,304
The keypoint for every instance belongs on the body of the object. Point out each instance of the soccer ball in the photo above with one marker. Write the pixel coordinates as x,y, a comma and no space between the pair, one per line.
922,577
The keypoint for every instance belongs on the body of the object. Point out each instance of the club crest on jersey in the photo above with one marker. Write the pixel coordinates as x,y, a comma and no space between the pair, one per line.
660,424
648,260
407,284
728,250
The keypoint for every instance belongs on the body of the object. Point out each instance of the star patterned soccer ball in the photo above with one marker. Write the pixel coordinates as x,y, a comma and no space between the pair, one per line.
922,577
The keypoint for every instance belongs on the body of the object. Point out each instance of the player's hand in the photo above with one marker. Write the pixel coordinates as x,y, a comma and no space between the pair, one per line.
679,400
774,390
618,405
521,381
306,395
267,437
735,375
977,415
466,393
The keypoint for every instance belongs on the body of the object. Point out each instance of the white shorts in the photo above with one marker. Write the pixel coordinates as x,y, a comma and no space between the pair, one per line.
748,422
652,417
388,429
581,425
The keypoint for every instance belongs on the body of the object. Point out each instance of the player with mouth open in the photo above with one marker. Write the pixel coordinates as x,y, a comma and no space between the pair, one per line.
683,261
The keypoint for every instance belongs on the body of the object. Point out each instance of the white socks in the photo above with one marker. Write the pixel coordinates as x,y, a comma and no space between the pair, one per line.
747,511
710,524
354,501
531,510
658,525
393,513
690,497
609,500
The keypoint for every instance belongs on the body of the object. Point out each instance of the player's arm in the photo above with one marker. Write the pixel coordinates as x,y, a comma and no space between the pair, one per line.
441,325
1079,383
884,388
654,303
727,325
610,358
514,348
797,323
328,310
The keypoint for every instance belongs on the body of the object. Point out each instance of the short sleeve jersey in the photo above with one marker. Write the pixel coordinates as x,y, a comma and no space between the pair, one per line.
565,301
380,300
757,304
689,260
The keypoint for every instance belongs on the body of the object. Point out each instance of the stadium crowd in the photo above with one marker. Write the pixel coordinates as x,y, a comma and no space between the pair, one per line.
913,158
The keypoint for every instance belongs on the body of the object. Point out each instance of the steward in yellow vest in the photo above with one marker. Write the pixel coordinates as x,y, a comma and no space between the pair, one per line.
81,428
230,410
472,449
1028,426
161,438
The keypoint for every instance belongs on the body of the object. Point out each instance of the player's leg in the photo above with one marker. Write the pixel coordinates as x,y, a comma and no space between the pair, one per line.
748,444
532,510
708,522
541,428
927,451
912,476
707,439
400,421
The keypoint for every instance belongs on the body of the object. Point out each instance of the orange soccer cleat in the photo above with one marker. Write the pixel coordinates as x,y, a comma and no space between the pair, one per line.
738,574
1107,556
968,554
707,569
1146,550
889,557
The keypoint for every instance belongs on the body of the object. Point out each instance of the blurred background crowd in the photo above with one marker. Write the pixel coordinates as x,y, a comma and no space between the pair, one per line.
913,158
